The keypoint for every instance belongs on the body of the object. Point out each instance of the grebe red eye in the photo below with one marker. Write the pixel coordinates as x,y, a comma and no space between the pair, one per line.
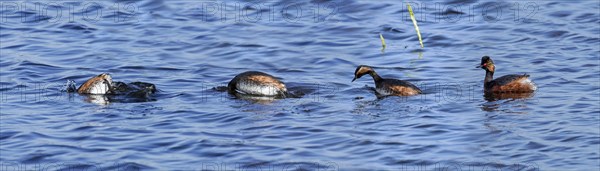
484,64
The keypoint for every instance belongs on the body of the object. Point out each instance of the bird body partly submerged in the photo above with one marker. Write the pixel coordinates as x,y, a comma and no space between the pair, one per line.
104,85
257,84
511,83
387,87
100,84
396,87
134,89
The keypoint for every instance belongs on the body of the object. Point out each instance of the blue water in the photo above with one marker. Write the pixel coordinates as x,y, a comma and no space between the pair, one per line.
190,49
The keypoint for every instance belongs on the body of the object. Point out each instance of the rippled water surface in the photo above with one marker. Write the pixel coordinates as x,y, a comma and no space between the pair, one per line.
190,49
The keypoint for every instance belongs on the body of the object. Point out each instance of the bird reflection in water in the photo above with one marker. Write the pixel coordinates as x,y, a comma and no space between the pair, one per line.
498,100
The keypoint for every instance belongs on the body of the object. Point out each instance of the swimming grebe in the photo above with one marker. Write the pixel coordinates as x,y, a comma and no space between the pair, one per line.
505,84
257,84
387,86
100,84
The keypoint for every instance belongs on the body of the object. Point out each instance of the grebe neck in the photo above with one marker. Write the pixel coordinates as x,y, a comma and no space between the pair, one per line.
489,76
376,77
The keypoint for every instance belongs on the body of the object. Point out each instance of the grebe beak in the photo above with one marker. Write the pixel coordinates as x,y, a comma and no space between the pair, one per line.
353,79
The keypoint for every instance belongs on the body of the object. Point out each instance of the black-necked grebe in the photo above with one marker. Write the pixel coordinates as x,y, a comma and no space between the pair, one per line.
257,84
387,86
103,85
100,84
505,84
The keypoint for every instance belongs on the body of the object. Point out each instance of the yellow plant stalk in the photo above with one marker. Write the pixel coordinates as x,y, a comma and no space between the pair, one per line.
382,41
412,16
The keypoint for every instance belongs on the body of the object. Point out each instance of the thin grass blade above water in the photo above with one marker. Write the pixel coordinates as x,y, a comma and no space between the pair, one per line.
412,17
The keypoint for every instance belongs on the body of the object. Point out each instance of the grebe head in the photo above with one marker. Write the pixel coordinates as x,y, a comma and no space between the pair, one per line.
362,70
487,64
